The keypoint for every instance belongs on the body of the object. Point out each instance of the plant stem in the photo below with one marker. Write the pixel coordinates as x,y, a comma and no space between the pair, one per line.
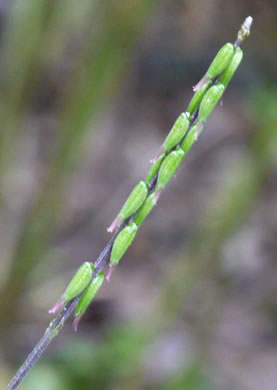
57,323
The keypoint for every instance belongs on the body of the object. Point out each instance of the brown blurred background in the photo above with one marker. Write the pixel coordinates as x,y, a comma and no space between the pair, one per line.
89,90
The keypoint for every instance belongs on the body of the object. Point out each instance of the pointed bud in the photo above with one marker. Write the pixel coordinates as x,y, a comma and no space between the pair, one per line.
154,168
177,132
78,283
210,100
219,63
169,167
231,69
145,209
132,204
87,298
244,30
122,242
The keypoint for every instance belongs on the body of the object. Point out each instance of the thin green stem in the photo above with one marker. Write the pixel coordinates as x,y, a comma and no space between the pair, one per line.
57,323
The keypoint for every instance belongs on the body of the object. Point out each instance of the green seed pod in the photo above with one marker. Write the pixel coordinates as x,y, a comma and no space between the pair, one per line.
219,63
87,297
154,169
169,167
78,283
145,209
122,242
210,100
134,201
176,133
197,97
132,204
231,69
191,137
221,60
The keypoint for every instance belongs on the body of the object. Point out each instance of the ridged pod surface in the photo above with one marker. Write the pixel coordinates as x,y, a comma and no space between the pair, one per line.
210,100
122,242
79,281
134,201
221,60
154,169
145,209
177,132
169,167
232,67
90,293
197,97
191,137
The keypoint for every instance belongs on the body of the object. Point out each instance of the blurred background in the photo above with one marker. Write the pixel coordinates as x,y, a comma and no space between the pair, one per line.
89,90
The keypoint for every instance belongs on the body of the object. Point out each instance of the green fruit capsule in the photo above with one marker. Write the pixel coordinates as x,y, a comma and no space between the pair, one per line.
132,204
210,100
232,67
221,60
218,65
154,168
176,133
191,137
197,97
145,209
169,167
87,298
121,244
78,283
